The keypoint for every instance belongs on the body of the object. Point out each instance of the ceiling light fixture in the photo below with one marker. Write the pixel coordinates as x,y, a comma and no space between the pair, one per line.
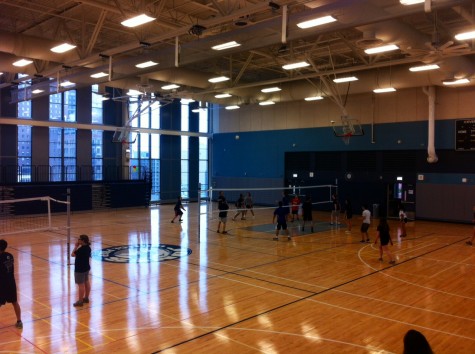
345,79
384,90
37,91
266,103
170,87
186,100
424,67
227,45
137,20
146,64
23,62
316,22
411,2
99,75
67,84
465,35
230,108
223,95
313,98
218,79
133,93
300,64
456,82
381,49
62,48
271,89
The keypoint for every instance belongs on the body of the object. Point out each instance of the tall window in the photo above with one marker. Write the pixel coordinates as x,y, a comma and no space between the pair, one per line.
62,141
203,152
24,153
97,135
185,162
145,152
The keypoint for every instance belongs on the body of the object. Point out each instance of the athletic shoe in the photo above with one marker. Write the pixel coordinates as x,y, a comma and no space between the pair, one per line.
275,238
225,232
469,243
289,238
78,304
19,324
172,221
367,240
217,231
85,300
180,220
362,241
392,262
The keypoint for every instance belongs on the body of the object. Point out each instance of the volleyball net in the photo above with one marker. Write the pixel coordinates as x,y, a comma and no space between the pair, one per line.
34,214
264,200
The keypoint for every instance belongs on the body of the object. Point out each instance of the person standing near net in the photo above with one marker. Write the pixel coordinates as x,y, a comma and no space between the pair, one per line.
335,215
295,208
348,215
366,223
307,212
240,208
470,243
249,204
384,237
178,210
402,221
8,290
82,254
286,203
223,208
281,214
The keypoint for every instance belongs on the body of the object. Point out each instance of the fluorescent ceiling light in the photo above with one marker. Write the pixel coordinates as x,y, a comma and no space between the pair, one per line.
424,67
223,95
381,49
270,89
23,62
345,79
62,48
266,103
465,35
316,22
383,90
105,98
292,66
199,109
146,64
170,87
37,91
456,82
227,45
229,108
186,100
218,79
313,98
99,75
411,2
134,93
137,20
1,73
67,84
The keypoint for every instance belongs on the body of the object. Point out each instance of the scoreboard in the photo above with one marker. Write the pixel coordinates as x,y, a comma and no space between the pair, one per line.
465,135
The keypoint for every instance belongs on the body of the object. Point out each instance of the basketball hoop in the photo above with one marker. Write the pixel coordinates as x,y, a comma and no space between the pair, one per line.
346,138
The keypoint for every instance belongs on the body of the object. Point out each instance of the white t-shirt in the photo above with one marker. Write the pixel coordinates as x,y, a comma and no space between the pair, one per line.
366,216
402,215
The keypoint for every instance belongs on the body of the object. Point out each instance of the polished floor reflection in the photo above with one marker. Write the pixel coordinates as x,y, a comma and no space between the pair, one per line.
170,288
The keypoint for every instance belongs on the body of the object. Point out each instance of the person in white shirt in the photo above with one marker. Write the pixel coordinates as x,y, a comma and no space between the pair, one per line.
365,225
403,221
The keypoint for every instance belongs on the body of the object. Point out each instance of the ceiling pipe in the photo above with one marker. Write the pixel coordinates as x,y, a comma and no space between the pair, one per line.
431,155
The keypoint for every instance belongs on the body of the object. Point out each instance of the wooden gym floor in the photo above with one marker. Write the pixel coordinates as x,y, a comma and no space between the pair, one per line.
321,292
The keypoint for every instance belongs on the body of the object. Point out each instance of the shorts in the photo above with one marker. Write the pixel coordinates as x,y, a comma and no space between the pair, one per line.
364,227
178,212
282,226
80,278
404,220
223,219
295,212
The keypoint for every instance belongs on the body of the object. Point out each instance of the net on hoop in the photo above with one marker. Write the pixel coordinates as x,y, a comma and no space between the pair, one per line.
346,138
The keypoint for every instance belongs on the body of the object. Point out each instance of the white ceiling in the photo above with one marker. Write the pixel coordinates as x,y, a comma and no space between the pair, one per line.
30,28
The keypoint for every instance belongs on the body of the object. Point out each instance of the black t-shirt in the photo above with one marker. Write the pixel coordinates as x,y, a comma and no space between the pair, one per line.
7,279
384,234
81,264
223,207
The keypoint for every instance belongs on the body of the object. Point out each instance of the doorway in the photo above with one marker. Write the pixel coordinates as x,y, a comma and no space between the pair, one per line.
401,194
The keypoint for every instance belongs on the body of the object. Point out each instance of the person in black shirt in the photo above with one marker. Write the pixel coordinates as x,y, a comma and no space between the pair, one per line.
82,252
8,292
385,238
223,208
473,236
178,210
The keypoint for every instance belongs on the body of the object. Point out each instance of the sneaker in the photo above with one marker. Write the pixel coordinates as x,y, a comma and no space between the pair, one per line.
392,262
362,241
225,232
469,243
78,304
275,238
289,238
243,218
85,300
19,324
367,240
180,220
172,221
217,231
